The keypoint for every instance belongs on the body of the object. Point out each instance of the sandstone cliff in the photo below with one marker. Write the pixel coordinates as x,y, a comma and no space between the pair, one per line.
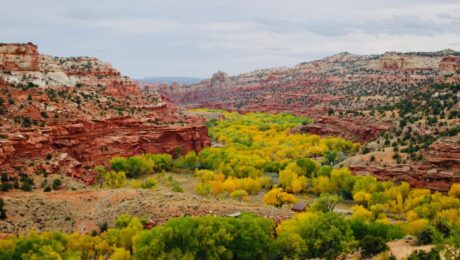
310,87
65,115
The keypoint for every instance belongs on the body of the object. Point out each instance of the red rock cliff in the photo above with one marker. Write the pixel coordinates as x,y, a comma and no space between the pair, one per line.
81,112
19,57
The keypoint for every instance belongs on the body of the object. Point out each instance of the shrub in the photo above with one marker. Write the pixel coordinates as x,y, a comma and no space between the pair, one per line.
103,227
163,162
387,232
26,122
44,114
425,237
239,194
176,187
190,161
26,186
114,179
433,254
57,183
149,183
133,166
2,210
5,186
47,189
203,189
371,245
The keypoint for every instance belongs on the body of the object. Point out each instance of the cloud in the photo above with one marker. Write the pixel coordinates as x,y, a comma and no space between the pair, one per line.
196,38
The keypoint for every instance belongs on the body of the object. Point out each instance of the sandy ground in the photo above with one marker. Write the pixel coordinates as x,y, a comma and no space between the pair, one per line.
402,248
84,210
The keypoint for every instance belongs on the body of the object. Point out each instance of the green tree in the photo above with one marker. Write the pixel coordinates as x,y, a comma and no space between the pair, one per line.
330,158
245,237
309,166
326,202
316,235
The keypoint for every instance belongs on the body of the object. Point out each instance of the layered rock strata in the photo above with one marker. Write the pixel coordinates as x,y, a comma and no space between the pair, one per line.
65,115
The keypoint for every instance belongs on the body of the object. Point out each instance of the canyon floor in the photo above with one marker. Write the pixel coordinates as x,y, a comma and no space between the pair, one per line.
82,208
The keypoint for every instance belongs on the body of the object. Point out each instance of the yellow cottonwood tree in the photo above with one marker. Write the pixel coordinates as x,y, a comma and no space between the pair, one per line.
277,197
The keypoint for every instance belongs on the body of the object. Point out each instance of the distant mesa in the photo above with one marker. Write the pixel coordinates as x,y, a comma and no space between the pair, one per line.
170,80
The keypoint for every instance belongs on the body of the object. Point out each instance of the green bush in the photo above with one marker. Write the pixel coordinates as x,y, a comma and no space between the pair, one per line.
425,237
325,170
57,183
176,187
387,232
5,186
26,186
133,166
163,162
139,165
371,245
149,183
433,254
314,235
246,237
309,166
189,161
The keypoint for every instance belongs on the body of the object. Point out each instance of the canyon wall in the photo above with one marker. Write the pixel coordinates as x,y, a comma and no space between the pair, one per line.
66,115
314,87
345,94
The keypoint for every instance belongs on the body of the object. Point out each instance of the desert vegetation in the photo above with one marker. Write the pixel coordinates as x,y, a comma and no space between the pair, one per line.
256,157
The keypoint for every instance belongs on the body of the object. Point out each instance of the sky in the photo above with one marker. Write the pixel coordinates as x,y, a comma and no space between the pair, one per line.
196,38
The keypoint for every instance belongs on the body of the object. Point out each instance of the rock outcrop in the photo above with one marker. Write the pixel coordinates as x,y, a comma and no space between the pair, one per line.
450,64
445,153
439,168
19,57
358,130
65,115
416,175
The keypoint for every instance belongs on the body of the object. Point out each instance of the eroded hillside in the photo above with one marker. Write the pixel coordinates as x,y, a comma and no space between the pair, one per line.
67,114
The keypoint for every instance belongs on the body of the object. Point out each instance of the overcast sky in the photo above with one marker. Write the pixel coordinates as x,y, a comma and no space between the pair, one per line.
199,37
